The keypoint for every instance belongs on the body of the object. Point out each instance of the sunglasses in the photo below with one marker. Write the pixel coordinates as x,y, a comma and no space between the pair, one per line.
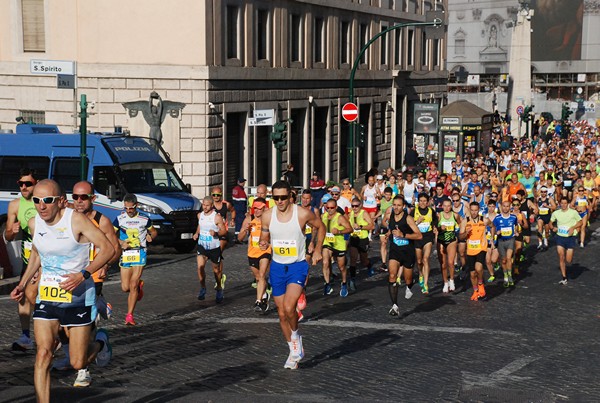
334,193
355,205
281,198
330,208
25,183
83,197
345,184
216,194
455,200
46,200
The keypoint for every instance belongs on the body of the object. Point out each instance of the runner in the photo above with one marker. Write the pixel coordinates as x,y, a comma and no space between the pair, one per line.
66,294
566,223
361,224
258,259
370,195
306,202
459,206
210,228
336,225
408,189
426,220
384,204
505,227
284,227
240,200
581,203
222,207
472,230
491,256
19,212
447,243
135,231
261,191
404,232
546,207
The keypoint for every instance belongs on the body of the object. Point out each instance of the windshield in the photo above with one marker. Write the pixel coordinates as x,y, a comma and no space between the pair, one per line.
151,179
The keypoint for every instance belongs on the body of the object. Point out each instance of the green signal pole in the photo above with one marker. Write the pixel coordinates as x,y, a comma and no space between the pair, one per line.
83,135
437,22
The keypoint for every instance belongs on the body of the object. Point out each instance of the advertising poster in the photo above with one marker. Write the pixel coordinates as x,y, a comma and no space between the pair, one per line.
426,118
450,150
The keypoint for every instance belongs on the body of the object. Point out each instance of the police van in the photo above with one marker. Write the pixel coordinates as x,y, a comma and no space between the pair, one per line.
117,164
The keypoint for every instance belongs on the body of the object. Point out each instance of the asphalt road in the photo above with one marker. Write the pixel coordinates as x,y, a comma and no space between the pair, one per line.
537,342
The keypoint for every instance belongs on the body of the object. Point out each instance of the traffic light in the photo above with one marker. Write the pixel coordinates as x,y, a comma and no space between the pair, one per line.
279,135
362,136
526,117
566,112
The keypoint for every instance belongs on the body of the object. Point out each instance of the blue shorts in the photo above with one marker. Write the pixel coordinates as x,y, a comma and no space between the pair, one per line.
283,274
567,242
72,316
128,261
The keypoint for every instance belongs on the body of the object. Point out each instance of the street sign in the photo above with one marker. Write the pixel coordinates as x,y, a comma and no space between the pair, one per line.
52,67
66,81
262,117
520,110
260,122
350,112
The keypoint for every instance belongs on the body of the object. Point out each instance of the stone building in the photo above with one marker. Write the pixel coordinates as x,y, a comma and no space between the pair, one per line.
226,59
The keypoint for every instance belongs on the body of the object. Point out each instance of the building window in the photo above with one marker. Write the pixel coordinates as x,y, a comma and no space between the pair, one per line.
36,117
459,46
364,38
345,43
34,31
410,51
437,53
262,34
424,50
384,46
233,30
399,47
319,41
295,38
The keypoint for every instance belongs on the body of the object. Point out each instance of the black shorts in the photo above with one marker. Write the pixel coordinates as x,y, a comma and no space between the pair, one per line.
361,244
214,255
545,218
76,316
526,231
336,252
224,237
427,238
473,259
404,255
255,261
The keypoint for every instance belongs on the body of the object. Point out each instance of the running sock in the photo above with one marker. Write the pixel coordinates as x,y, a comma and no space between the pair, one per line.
26,332
393,290
295,334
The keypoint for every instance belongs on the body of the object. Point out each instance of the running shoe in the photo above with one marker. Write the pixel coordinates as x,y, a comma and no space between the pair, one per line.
505,284
581,245
290,363
491,279
408,293
475,295
223,279
457,268
451,286
101,307
371,272
109,310
425,289
398,280
254,284
129,319
269,290
301,305
64,363
297,348
300,315
220,296
264,305
445,289
421,281
202,294
104,355
22,344
352,285
83,379
327,289
383,267
394,311
344,290
564,281
140,290
511,282
481,290
257,307
540,246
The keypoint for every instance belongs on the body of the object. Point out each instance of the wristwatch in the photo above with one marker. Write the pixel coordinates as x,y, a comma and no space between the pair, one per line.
86,274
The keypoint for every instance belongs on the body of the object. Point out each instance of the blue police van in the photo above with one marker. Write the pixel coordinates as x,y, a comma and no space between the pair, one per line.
117,164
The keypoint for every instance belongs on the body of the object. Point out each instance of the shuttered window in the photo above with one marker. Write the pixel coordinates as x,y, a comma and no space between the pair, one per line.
34,32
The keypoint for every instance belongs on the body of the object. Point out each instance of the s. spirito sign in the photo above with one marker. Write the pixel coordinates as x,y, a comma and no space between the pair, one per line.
52,67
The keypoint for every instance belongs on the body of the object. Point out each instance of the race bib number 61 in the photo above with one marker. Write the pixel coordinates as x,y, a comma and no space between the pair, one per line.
286,248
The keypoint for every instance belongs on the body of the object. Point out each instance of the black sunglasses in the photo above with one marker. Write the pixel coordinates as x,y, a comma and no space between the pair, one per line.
25,183
216,194
46,200
83,197
356,205
281,198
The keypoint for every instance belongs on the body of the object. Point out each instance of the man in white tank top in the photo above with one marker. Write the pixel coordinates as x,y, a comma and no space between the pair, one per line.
210,227
66,295
283,226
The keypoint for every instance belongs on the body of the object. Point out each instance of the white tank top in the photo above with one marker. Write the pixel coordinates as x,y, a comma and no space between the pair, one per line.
370,197
206,223
287,239
60,254
409,192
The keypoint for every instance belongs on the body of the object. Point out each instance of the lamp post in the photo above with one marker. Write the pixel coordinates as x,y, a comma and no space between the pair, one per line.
83,135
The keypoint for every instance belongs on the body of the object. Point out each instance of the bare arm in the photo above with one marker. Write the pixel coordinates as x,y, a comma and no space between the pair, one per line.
221,225
343,221
109,231
317,224
245,229
12,225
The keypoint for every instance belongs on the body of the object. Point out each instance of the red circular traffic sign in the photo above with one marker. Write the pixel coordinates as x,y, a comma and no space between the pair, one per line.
520,110
350,112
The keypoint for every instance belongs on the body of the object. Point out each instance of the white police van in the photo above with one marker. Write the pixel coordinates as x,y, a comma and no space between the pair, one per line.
117,164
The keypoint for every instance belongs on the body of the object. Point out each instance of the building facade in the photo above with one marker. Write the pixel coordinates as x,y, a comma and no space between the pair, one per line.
226,59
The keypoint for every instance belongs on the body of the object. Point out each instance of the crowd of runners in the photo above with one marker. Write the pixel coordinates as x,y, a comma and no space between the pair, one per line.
478,219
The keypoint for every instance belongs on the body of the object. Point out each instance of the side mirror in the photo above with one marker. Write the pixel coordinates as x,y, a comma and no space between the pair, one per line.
188,187
111,192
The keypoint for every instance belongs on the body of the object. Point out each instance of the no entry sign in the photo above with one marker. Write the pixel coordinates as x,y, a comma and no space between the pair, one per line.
350,112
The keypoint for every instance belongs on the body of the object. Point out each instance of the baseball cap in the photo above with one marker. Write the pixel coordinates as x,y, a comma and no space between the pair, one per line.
315,173
240,180
258,204
379,177
335,189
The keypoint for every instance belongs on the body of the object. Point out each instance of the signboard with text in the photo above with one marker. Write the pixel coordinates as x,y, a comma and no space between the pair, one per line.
426,118
52,67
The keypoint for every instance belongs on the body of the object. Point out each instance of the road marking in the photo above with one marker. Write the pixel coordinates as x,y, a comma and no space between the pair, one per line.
502,376
373,326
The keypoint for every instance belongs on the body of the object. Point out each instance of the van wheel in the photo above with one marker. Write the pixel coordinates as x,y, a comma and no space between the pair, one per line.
185,247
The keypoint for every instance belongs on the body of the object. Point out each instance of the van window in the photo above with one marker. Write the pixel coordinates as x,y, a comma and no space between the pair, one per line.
67,172
104,176
10,167
151,179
